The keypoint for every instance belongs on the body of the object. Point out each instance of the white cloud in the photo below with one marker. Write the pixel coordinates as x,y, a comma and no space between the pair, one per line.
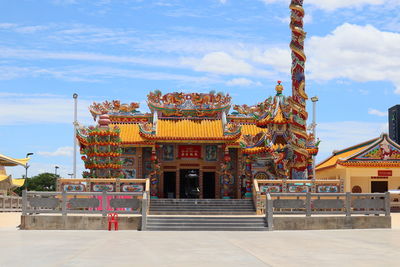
331,5
36,109
223,1
358,53
226,64
350,52
377,112
8,52
61,151
242,82
343,134
219,62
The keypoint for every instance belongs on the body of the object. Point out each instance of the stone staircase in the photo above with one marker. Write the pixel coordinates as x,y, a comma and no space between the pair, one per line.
203,215
205,223
202,207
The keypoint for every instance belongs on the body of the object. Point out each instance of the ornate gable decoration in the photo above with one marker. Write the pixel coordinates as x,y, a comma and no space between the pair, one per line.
113,108
383,151
189,105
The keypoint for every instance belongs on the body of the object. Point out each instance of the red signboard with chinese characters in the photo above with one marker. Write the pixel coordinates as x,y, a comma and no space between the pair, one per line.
193,152
385,173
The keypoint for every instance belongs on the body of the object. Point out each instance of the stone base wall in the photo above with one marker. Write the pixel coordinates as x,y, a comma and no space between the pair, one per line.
331,222
58,222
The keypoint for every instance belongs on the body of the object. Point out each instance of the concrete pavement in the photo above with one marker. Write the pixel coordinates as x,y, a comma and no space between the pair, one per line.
379,247
133,248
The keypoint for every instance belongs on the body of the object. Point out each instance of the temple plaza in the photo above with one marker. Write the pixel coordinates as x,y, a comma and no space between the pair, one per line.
379,247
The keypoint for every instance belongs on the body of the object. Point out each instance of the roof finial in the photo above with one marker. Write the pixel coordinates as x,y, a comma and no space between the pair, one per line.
279,88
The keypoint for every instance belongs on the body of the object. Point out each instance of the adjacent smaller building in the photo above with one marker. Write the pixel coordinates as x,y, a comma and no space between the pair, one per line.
369,167
7,183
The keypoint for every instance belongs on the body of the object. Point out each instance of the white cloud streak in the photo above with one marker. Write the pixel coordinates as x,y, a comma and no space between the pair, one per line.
66,151
30,109
377,112
331,5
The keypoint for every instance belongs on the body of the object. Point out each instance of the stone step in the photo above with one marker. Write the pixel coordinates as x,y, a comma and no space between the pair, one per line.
201,200
206,218
201,212
208,224
199,208
200,228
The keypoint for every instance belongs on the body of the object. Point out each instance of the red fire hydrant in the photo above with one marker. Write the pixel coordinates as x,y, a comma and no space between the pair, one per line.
112,219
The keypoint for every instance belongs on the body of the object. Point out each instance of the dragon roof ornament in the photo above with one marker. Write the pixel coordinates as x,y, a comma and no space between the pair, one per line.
189,104
113,108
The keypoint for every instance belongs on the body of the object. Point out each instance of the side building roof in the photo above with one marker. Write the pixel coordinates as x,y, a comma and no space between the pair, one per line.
377,152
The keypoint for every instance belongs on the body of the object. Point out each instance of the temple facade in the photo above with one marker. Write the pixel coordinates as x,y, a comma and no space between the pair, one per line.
191,145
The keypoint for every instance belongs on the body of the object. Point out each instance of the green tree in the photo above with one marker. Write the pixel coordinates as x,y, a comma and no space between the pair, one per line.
41,182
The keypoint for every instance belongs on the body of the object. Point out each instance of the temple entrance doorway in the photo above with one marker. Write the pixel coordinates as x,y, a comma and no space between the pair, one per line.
189,183
379,186
170,184
208,184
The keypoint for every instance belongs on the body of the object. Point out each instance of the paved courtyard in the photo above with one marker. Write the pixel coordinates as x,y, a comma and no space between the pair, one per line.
132,248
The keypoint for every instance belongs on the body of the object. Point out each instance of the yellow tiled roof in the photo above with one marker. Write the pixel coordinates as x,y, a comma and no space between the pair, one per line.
18,182
345,153
7,161
190,129
251,129
129,133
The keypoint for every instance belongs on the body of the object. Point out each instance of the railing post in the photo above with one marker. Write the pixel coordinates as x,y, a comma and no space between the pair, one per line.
3,203
348,204
387,204
269,212
308,204
64,203
24,201
104,203
144,211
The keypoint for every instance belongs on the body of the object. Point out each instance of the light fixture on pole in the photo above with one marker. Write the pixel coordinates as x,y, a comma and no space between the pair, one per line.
75,96
55,170
70,175
314,100
26,170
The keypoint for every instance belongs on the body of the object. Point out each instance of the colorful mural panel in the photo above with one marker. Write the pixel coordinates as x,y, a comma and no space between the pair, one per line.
327,189
168,152
132,188
270,189
298,188
102,187
211,153
74,187
129,173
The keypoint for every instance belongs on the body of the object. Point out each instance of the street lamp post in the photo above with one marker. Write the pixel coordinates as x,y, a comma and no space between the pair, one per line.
314,100
26,170
55,170
70,175
75,96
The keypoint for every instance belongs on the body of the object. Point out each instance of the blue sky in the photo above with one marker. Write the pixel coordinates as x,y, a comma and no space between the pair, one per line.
122,49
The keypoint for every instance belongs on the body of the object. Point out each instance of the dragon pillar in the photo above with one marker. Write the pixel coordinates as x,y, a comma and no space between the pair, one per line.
297,48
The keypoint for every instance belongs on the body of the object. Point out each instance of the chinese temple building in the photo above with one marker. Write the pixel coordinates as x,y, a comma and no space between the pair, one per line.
369,167
7,183
192,146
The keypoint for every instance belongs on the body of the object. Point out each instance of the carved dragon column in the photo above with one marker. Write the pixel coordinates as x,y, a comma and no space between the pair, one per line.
299,96
297,48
